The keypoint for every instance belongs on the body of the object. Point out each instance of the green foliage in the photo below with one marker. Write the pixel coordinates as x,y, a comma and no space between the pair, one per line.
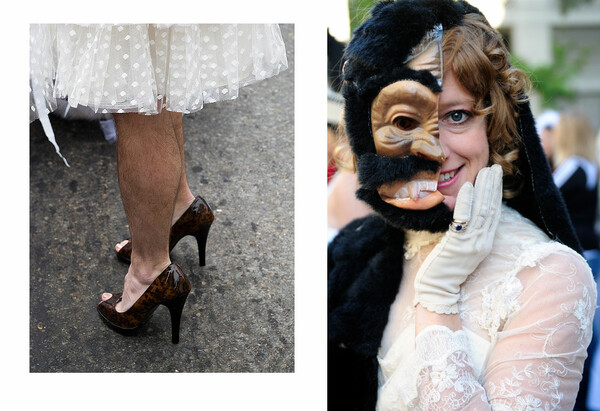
566,5
358,11
551,81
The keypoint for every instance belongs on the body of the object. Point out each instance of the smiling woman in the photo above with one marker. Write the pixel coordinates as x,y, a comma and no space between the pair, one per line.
463,137
473,48
434,301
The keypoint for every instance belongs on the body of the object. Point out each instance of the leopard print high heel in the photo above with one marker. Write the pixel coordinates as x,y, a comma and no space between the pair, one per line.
195,221
170,289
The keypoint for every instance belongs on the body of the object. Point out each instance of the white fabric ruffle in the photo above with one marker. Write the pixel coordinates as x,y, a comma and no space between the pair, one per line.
144,68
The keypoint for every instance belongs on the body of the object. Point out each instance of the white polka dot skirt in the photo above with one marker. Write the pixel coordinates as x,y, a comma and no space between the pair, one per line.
145,68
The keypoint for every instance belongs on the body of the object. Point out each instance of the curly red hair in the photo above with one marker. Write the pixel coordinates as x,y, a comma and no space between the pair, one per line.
481,62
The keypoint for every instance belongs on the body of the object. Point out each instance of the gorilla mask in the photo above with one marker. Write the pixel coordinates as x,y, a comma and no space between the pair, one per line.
404,122
392,80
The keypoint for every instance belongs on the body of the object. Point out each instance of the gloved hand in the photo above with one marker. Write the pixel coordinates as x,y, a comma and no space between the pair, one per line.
438,281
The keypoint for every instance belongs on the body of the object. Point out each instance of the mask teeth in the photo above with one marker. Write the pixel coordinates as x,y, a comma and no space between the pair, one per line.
416,189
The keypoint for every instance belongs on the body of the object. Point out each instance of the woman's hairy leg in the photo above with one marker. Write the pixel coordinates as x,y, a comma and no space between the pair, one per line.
149,168
184,197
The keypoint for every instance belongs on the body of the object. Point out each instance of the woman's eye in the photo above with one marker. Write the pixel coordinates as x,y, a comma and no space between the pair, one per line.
405,123
458,116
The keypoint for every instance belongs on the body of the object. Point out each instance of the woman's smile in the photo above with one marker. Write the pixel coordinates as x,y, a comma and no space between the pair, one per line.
448,177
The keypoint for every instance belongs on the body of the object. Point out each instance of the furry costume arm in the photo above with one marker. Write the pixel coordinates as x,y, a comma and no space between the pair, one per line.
364,271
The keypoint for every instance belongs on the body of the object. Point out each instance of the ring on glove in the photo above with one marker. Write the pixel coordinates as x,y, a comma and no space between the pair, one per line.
458,226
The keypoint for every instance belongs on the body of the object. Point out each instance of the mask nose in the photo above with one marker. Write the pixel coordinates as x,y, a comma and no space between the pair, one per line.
427,146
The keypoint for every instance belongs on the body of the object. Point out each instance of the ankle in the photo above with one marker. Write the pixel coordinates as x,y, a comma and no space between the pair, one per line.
145,272
182,203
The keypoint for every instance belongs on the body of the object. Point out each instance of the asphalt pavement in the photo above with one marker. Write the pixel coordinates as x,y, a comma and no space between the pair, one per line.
239,316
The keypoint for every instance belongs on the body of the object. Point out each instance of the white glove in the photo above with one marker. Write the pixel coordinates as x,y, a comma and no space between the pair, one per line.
438,281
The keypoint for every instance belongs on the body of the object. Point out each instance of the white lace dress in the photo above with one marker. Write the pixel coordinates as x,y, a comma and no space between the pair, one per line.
147,67
526,314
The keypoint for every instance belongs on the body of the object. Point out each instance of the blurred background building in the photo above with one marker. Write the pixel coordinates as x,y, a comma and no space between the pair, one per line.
558,43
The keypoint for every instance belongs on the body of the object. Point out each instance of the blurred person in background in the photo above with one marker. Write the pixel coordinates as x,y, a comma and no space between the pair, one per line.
334,110
570,146
342,181
576,175
544,125
593,394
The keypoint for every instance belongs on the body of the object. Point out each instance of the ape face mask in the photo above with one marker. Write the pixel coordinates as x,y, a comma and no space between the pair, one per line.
404,122
399,156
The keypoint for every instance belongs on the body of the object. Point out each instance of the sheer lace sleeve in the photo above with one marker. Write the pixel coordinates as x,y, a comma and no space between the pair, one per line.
536,358
446,380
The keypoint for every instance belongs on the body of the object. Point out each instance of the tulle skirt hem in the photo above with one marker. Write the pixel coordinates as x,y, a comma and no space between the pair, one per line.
146,68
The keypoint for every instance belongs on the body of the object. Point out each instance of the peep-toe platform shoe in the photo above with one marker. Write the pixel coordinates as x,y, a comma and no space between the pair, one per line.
195,221
170,289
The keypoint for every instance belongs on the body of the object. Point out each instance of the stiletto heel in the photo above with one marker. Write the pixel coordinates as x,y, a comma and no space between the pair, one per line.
195,221
201,237
176,308
170,288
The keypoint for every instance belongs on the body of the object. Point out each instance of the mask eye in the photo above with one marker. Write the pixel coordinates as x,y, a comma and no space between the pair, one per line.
405,123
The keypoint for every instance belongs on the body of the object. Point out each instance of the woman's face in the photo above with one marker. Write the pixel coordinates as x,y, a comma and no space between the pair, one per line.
463,138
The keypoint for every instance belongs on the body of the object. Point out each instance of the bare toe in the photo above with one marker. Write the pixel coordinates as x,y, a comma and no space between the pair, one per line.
121,245
106,296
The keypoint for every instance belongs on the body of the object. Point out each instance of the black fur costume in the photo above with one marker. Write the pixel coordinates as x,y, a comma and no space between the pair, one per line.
365,259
